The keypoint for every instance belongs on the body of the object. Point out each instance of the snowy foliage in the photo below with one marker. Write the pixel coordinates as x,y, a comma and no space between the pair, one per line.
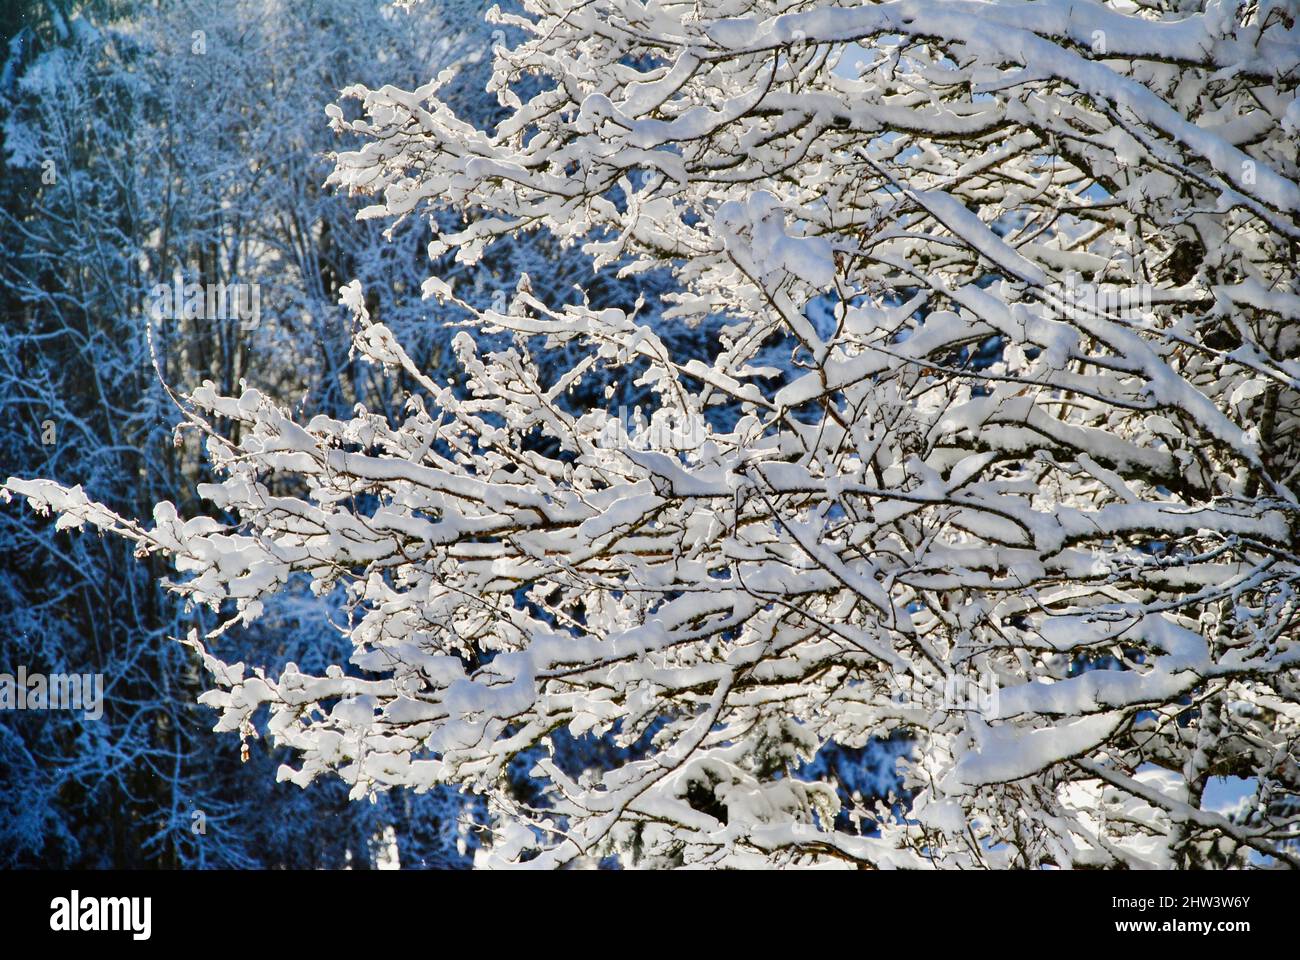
1007,390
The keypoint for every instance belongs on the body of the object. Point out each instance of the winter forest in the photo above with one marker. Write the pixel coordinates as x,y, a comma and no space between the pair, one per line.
650,433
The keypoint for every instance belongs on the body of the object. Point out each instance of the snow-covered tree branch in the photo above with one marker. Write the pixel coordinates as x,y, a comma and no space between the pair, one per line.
1007,393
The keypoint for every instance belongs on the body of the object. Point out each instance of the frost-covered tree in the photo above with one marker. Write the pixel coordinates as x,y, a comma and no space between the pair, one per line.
1007,394
143,142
